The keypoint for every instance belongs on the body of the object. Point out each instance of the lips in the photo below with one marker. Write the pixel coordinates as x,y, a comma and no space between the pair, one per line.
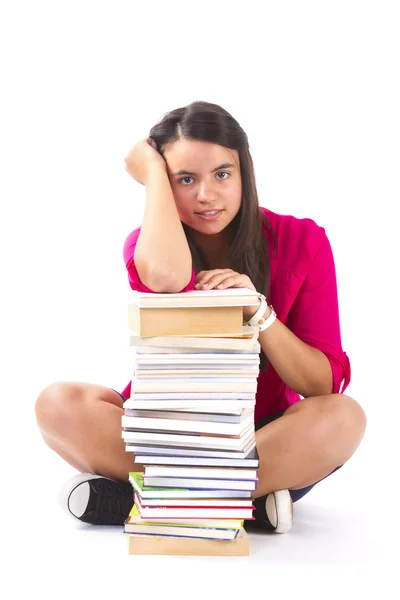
206,212
206,216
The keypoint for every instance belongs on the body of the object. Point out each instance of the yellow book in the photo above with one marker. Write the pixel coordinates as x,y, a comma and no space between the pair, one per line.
180,546
151,322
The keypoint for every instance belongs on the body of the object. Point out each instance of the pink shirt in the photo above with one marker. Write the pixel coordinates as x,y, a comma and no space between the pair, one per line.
303,292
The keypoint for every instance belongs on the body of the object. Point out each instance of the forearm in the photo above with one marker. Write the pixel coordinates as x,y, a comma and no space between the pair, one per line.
304,369
162,254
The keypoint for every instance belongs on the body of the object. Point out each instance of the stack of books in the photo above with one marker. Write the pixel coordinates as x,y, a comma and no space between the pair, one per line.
190,422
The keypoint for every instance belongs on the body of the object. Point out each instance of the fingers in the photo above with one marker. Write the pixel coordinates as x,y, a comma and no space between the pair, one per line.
222,281
203,278
205,274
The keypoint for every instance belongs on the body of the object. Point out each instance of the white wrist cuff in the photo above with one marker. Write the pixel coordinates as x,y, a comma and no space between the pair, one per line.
268,322
259,320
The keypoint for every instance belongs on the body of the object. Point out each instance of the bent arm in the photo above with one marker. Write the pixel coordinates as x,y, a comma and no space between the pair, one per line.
307,355
162,255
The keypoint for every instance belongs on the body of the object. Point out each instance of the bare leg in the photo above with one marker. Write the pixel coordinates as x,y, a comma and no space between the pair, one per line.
308,442
82,423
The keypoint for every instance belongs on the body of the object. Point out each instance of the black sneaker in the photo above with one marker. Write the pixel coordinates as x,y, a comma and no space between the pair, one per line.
273,512
97,500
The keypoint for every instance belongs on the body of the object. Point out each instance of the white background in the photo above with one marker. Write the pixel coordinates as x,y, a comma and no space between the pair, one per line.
316,87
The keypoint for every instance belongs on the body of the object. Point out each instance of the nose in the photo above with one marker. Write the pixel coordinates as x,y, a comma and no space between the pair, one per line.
204,191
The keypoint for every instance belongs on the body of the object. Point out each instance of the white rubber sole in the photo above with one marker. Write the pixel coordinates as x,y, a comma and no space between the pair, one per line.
279,509
80,498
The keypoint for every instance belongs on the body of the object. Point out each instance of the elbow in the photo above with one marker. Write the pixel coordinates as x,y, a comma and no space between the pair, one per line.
169,286
322,383
162,283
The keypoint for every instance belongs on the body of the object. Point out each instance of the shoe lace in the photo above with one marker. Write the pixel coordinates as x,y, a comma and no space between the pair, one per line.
113,502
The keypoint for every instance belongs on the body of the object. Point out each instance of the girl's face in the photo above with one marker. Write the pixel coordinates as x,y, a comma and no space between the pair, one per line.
204,177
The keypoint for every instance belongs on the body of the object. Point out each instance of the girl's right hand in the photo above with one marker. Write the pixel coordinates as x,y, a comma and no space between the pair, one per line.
142,158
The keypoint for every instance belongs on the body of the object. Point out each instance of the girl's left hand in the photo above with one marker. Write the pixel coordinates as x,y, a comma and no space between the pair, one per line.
220,279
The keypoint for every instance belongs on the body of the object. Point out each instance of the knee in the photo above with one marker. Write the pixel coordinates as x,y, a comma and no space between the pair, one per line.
347,416
56,404
351,414
336,415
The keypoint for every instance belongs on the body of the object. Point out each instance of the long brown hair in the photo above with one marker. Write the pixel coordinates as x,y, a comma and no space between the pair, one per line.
208,122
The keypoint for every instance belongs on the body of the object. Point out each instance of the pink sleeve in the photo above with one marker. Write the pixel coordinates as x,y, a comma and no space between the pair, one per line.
126,392
314,315
136,284
133,275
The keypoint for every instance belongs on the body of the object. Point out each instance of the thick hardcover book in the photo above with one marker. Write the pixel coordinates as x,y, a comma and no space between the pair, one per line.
148,322
180,546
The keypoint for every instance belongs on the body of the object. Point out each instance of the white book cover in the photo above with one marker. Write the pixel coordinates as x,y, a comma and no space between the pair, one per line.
197,461
201,472
196,298
227,343
208,406
191,396
165,350
189,416
167,450
186,372
192,384
187,426
204,520
182,514
211,380
196,357
190,441
197,365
